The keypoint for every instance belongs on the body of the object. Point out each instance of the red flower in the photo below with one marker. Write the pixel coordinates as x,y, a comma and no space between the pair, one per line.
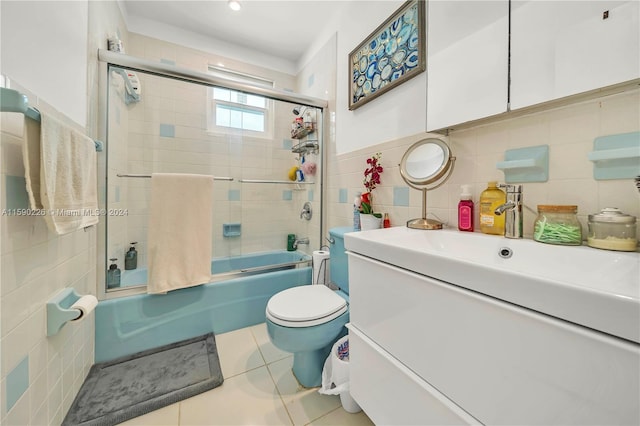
365,197
372,172
371,180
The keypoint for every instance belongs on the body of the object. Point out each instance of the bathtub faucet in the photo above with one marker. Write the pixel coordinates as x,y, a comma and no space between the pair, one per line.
513,210
306,211
304,240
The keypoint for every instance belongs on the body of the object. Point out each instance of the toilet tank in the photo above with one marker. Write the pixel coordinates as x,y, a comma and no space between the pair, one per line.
338,266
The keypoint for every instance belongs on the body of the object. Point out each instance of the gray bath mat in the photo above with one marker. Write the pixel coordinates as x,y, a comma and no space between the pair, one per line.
137,384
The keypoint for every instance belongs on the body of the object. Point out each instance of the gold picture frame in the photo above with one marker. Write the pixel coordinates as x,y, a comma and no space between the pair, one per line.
389,56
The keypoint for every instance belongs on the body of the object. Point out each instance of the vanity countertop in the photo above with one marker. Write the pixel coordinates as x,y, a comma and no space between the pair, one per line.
599,289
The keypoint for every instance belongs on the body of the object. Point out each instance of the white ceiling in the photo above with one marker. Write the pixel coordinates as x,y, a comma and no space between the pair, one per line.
283,29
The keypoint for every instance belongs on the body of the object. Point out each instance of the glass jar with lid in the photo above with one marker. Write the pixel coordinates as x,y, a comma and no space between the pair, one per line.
557,224
612,229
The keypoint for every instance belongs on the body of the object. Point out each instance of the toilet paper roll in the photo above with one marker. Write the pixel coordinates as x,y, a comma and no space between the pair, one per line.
320,267
86,305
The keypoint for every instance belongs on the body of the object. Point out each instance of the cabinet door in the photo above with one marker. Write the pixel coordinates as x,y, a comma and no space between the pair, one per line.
467,61
561,48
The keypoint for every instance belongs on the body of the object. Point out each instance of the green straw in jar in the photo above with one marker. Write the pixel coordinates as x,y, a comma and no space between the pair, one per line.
556,233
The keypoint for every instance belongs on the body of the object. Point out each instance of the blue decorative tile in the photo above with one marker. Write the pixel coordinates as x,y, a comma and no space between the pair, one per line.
233,195
310,80
342,195
401,196
310,195
167,61
287,144
287,195
17,382
167,130
16,188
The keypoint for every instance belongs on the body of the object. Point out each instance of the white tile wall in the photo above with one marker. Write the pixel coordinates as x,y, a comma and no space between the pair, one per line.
569,131
35,265
139,147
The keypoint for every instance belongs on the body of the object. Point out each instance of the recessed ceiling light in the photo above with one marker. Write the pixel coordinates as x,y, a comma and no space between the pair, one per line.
234,5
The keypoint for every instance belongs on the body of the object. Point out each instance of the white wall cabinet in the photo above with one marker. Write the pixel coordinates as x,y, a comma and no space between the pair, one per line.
557,49
467,61
562,48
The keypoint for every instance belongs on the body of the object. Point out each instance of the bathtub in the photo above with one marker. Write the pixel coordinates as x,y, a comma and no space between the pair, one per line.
235,298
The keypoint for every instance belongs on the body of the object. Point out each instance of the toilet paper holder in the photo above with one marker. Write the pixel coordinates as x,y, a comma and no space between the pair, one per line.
59,312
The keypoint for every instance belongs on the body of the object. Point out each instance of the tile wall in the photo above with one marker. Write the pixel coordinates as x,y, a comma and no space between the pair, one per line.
167,132
40,375
569,131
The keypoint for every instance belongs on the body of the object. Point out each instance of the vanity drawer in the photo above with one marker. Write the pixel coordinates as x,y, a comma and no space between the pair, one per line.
501,363
391,394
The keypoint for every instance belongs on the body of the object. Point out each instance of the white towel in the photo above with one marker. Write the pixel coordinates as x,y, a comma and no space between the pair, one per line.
179,235
31,159
68,177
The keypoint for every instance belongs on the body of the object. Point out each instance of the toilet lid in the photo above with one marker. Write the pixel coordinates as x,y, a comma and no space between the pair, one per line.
305,306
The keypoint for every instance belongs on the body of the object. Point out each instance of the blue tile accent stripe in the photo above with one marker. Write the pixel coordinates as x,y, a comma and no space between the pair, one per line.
287,144
287,195
17,382
167,61
167,130
401,196
233,195
310,195
342,195
16,190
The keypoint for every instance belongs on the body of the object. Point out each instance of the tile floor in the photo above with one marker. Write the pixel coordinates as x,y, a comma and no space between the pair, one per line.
259,389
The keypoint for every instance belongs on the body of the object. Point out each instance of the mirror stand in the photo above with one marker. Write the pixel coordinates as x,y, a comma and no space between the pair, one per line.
423,222
427,162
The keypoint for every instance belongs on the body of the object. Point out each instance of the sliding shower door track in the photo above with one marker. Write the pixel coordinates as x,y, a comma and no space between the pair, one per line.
167,70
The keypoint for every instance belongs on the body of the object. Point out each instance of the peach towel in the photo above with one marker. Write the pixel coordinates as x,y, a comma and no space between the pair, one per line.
180,231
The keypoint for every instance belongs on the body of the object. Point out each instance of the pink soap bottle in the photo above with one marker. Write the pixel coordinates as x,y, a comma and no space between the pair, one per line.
465,210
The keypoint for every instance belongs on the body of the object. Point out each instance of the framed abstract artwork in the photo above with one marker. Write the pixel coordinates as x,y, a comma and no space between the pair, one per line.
389,56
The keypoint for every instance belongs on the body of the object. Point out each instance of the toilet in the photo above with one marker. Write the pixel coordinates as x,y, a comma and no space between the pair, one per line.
308,319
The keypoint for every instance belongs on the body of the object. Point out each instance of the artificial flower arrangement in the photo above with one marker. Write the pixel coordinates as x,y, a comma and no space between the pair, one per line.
371,180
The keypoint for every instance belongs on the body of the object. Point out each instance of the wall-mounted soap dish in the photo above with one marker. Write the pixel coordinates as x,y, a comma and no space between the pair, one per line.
616,156
529,164
231,229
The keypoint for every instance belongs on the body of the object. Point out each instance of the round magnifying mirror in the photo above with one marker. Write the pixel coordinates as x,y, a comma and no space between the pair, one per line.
426,162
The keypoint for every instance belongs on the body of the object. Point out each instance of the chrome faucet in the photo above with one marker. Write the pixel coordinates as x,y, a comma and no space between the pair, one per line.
304,240
513,211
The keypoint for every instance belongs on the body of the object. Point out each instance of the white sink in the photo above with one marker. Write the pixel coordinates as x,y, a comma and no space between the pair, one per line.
598,289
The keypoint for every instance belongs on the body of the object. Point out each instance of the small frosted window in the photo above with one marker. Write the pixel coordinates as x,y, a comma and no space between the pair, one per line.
237,110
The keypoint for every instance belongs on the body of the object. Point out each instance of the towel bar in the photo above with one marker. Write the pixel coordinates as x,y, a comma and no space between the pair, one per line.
14,101
148,176
282,182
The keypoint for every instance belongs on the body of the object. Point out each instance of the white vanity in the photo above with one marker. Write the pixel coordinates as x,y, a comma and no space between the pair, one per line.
465,328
